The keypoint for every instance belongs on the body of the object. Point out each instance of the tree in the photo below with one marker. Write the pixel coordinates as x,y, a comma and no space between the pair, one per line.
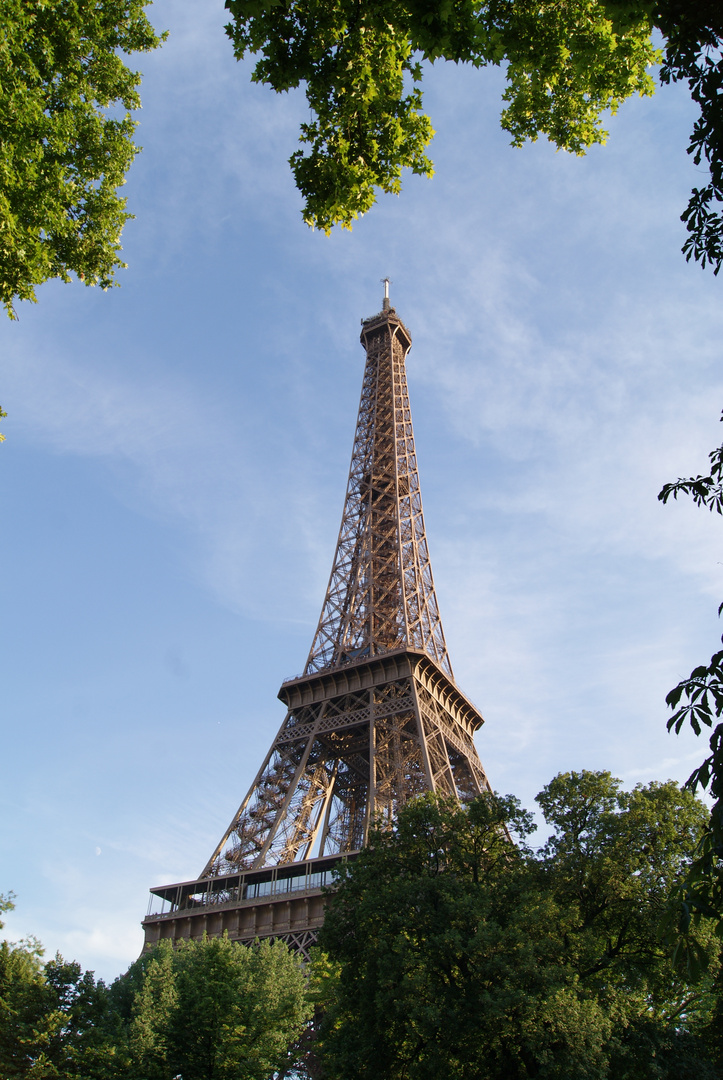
64,146
698,700
205,1010
214,1010
461,954
20,1000
53,1017
24,1009
81,1042
566,65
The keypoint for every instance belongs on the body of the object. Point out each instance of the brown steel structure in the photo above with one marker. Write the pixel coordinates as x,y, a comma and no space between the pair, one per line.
376,717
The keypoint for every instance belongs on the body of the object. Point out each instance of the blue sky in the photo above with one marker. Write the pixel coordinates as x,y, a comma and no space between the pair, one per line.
177,450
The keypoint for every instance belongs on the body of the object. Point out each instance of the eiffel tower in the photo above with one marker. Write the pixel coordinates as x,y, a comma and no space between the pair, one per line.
375,718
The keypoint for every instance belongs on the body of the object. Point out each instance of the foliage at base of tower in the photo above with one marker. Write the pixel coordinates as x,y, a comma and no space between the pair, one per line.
566,65
64,147
459,954
212,1010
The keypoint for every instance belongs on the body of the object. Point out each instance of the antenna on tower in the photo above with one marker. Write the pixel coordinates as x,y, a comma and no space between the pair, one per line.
386,282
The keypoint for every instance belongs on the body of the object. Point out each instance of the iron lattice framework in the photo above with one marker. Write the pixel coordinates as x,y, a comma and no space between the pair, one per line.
375,718
361,736
381,592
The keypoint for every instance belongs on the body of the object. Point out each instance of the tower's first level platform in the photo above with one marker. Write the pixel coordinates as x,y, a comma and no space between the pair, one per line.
284,902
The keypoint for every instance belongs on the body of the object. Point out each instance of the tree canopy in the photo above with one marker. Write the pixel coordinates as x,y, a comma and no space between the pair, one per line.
66,143
54,1018
450,948
207,1010
566,65
461,954
213,1009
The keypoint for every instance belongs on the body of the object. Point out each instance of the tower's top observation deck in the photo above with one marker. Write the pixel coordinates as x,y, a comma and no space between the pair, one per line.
386,317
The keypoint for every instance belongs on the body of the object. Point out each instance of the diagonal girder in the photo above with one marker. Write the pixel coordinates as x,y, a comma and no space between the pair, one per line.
350,757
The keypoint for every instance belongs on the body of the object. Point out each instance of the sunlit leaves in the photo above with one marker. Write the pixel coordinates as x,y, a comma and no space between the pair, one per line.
566,65
366,128
66,138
